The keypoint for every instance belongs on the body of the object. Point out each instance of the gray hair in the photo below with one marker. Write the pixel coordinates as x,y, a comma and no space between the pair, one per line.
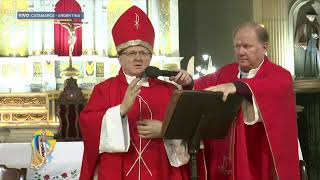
261,32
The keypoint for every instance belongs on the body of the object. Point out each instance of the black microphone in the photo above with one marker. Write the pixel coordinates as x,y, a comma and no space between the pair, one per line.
154,72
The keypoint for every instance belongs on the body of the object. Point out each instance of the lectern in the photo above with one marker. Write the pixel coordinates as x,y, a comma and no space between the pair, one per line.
194,115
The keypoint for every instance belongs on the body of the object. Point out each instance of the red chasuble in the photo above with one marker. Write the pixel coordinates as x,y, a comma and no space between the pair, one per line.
267,149
154,163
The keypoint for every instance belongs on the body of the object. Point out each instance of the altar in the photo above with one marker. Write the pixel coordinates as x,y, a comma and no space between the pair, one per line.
34,54
65,164
30,87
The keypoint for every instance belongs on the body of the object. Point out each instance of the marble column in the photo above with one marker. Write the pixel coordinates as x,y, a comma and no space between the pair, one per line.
273,14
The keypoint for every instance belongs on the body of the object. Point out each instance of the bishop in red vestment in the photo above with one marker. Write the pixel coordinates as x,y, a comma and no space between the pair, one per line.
262,143
122,121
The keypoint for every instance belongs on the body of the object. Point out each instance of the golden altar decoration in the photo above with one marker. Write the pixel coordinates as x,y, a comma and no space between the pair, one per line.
21,114
24,109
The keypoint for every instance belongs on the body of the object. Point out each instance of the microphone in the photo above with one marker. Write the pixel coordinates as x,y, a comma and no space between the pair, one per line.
154,72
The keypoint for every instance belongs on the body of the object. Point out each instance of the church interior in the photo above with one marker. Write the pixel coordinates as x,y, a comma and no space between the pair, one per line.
49,67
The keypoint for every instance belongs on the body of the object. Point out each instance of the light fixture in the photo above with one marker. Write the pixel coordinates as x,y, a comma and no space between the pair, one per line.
198,68
205,56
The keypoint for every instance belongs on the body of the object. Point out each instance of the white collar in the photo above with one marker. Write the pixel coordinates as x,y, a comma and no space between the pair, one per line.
251,73
143,81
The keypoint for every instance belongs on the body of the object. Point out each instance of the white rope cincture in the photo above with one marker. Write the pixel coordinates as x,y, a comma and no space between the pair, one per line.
141,149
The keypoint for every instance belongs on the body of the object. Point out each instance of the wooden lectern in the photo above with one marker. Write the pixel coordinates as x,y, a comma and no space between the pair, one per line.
194,115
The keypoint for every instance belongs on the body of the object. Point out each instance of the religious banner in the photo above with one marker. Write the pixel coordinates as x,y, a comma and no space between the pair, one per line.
89,68
42,147
99,69
37,70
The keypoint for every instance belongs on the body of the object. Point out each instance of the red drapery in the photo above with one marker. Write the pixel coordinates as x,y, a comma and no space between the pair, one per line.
61,46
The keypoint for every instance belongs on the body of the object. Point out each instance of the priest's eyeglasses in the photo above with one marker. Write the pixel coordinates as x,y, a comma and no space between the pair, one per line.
133,54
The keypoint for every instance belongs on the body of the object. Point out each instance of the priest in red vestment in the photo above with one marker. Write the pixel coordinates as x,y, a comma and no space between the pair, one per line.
262,143
121,124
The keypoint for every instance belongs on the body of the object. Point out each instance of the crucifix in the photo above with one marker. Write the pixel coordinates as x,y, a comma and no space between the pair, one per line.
71,26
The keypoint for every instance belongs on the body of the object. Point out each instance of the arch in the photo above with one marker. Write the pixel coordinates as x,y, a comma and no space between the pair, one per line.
295,19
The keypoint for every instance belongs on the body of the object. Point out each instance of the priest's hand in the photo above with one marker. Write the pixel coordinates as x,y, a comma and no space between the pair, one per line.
130,96
226,89
183,78
149,128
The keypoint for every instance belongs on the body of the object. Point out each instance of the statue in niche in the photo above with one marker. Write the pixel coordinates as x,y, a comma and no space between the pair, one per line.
307,46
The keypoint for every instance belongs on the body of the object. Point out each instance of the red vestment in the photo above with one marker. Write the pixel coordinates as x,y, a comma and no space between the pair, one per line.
154,163
252,152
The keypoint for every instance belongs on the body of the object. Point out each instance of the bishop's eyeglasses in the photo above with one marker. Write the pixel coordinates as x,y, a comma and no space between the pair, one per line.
133,54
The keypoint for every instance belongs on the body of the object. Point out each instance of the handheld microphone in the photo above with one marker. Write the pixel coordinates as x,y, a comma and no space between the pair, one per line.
154,72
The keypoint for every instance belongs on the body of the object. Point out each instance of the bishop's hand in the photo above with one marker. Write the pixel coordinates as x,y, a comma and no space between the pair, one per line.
132,91
149,128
